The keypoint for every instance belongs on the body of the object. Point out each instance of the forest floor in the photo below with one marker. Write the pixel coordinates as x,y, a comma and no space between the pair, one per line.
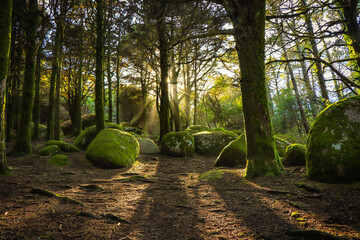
163,198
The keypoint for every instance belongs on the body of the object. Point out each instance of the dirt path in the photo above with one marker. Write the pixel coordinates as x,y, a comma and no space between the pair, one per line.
163,198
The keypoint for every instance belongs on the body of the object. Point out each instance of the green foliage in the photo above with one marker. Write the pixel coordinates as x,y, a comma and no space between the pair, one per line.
223,104
59,160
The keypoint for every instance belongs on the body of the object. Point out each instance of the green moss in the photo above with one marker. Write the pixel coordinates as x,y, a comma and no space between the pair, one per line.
197,128
211,175
333,143
64,146
295,155
178,144
281,146
221,129
50,150
113,148
59,160
234,154
85,137
212,143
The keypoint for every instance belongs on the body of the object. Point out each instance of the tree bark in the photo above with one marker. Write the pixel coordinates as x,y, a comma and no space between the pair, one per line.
57,128
248,18
36,117
5,35
164,91
99,73
23,134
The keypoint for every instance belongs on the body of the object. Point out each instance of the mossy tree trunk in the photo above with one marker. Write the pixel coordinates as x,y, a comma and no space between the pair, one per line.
57,128
164,114
5,35
248,18
99,72
351,14
54,74
78,91
109,74
23,134
118,86
36,116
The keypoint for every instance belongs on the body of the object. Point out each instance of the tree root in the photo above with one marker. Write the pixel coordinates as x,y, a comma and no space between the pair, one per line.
47,193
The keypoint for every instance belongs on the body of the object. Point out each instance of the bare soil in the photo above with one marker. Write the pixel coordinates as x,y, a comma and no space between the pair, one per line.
163,198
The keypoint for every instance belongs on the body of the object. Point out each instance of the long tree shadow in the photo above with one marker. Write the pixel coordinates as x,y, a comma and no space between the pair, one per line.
165,211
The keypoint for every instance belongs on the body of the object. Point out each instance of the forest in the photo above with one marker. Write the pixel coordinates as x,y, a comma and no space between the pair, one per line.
179,119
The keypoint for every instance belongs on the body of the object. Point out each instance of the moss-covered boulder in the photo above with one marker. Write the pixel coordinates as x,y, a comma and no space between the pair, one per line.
295,155
86,136
64,146
88,120
234,154
333,145
67,127
113,148
281,146
178,144
147,146
42,131
50,150
212,143
197,128
58,160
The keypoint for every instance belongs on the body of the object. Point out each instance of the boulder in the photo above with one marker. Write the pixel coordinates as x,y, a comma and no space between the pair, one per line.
212,143
178,144
295,155
85,137
281,146
333,152
64,146
113,148
67,127
50,150
234,154
88,120
197,128
147,146
58,160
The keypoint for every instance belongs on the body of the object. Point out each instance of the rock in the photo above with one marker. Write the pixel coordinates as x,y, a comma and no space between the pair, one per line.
64,146
88,120
113,148
59,160
147,146
85,137
178,144
66,127
281,146
50,150
234,154
333,143
197,128
295,155
212,143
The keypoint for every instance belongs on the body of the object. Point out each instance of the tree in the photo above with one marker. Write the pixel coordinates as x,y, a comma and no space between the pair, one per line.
99,73
248,18
23,133
5,35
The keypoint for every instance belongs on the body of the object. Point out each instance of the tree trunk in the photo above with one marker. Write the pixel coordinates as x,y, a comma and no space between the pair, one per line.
5,35
57,128
54,73
164,91
23,133
110,88
118,87
319,71
78,97
36,117
248,18
350,11
310,92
